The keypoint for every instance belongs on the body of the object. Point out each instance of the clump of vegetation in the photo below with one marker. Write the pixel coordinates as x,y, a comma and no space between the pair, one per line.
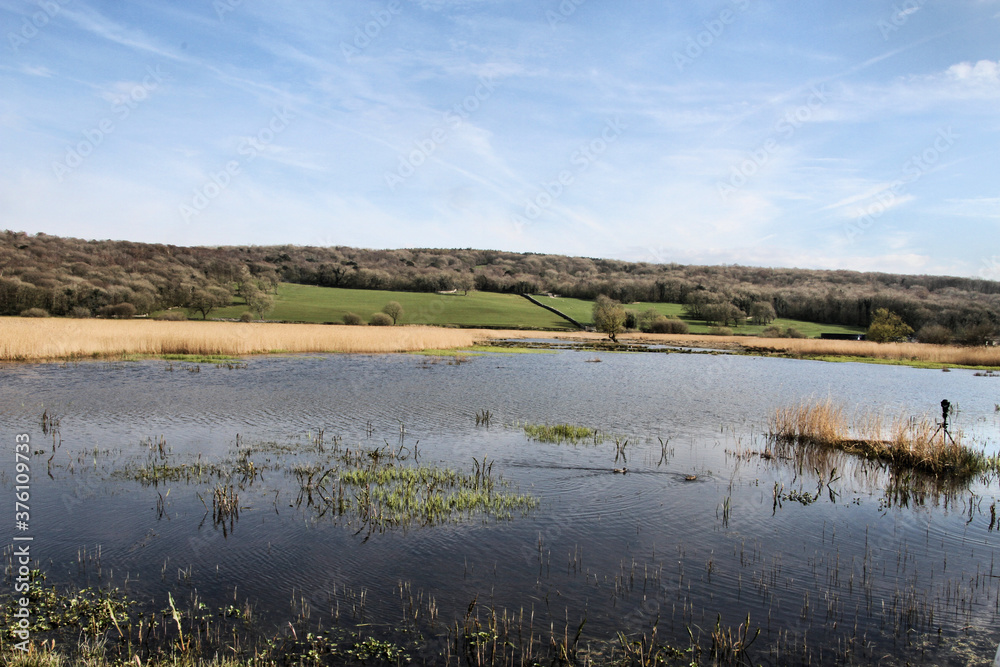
762,312
377,488
352,319
89,611
34,312
720,331
246,316
561,433
914,443
778,332
80,312
934,334
380,320
977,334
118,311
609,316
393,310
668,325
888,327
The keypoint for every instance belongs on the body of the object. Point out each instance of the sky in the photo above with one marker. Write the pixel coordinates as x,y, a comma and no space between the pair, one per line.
857,134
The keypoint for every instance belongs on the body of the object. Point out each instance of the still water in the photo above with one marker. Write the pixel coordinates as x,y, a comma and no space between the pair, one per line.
701,529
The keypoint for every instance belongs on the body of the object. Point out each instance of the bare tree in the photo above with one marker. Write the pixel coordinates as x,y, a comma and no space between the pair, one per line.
393,310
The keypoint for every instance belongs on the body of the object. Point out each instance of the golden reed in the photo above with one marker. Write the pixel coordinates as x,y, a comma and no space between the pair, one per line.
31,339
911,442
941,354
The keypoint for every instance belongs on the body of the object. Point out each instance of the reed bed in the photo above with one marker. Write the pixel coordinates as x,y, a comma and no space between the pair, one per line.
904,442
25,339
953,355
937,354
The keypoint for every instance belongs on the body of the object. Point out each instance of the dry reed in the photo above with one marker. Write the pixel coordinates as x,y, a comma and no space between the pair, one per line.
908,442
24,339
815,347
941,354
28,339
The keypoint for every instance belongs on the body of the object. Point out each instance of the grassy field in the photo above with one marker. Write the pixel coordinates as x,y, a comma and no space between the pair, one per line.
308,303
581,311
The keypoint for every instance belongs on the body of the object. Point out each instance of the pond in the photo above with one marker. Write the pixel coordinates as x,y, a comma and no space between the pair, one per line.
677,518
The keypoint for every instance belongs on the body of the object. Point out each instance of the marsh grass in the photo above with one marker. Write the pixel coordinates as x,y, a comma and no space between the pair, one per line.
904,442
380,489
560,433
25,339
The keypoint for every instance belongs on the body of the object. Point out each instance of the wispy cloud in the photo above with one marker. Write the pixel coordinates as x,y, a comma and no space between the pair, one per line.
407,99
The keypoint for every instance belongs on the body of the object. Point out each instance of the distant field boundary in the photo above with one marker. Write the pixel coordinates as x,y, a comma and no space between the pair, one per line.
553,310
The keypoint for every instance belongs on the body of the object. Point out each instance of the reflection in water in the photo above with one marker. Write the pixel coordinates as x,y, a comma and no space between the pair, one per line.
253,483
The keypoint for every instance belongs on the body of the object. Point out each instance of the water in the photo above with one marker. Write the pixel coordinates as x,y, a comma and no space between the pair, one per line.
913,577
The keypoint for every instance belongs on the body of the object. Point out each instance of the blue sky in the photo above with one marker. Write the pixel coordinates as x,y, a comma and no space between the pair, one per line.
853,134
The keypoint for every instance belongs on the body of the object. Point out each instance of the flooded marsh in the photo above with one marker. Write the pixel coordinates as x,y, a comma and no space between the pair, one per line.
512,508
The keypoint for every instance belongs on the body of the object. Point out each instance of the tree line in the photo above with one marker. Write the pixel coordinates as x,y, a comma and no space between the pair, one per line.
64,276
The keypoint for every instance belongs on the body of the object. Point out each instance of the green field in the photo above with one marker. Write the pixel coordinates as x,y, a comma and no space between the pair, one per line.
308,303
582,311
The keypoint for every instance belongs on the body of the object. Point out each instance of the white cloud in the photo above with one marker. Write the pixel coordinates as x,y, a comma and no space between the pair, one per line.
982,73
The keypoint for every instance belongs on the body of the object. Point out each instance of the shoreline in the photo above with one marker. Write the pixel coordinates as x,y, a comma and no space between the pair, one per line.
60,339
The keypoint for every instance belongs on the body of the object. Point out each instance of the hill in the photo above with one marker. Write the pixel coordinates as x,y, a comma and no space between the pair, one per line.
61,275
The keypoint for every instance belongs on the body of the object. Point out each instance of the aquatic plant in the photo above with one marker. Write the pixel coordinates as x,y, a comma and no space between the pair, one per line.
561,433
904,442
483,417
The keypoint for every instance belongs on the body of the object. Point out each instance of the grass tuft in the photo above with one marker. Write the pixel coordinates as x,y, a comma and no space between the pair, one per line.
561,433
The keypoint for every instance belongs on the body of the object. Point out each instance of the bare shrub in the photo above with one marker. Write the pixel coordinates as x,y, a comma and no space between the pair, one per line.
934,334
120,311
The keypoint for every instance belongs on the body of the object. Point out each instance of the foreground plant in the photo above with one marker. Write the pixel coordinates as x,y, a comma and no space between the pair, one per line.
914,443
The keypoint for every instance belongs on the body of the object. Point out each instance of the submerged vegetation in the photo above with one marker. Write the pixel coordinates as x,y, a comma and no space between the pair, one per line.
920,443
380,491
377,488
